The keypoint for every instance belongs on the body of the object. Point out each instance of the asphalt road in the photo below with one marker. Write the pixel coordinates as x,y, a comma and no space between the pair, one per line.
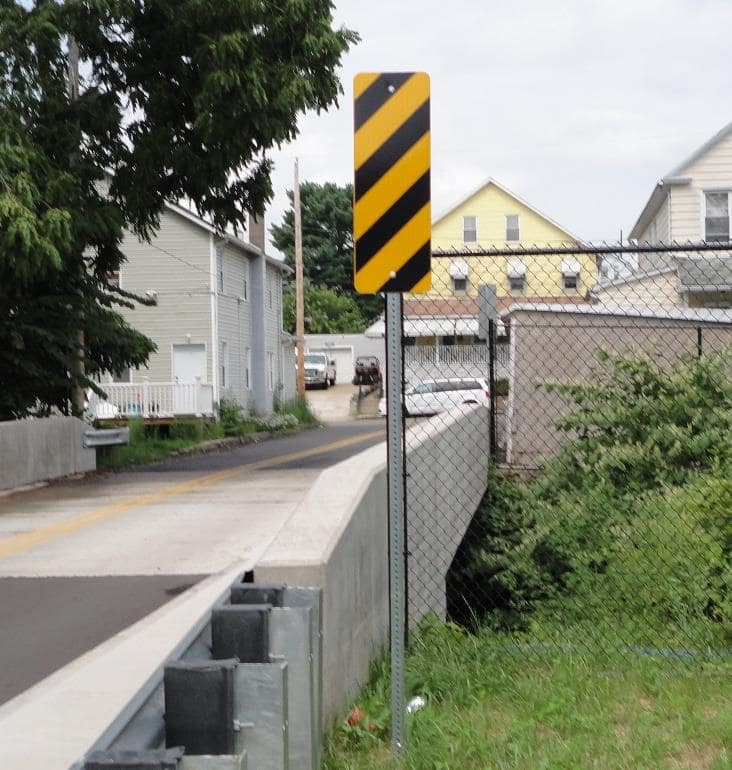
82,560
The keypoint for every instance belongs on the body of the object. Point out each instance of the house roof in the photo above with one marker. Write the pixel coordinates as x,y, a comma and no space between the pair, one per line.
674,177
491,181
228,237
631,278
705,273
705,315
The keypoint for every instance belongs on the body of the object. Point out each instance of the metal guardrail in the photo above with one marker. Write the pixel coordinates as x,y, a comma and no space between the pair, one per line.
96,437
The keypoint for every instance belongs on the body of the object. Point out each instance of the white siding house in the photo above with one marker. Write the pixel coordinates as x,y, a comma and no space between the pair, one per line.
217,323
692,203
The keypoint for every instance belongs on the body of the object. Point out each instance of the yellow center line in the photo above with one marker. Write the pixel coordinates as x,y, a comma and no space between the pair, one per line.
23,542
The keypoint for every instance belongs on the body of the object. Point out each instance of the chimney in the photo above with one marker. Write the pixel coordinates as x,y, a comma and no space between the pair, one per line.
256,231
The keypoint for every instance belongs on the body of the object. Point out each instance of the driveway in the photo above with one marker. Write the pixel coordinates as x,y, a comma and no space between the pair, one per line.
334,404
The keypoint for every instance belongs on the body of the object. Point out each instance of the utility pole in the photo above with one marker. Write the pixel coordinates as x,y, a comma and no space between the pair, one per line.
299,298
78,396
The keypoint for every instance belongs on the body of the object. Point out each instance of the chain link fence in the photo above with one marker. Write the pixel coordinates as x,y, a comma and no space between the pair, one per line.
604,410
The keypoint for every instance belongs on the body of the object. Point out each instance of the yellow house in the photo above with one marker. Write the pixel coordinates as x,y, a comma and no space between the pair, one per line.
492,217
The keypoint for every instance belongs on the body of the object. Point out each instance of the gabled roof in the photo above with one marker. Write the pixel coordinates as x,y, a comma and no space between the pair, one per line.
674,177
703,150
191,216
630,278
491,181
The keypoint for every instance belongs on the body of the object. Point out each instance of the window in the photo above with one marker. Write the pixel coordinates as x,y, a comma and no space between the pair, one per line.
459,270
512,227
517,284
220,269
570,274
270,371
247,367
516,272
716,216
470,229
224,365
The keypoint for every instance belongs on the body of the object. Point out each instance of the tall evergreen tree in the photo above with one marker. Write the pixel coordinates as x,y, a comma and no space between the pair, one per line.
327,241
177,99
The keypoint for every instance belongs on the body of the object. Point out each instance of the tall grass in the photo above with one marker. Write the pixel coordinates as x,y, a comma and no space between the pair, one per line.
489,705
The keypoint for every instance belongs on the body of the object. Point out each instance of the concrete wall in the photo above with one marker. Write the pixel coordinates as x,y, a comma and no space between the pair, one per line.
447,467
338,540
561,347
43,449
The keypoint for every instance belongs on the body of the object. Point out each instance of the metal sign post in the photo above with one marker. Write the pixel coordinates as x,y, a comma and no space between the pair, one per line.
392,253
487,316
395,470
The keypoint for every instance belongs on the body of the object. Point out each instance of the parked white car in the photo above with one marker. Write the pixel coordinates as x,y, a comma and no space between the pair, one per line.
435,396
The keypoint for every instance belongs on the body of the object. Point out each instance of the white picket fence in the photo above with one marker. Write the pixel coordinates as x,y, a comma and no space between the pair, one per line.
152,399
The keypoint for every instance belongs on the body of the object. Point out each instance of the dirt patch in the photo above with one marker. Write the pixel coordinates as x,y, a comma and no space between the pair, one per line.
694,759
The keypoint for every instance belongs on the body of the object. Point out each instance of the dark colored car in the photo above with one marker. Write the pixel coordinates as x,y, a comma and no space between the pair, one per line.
367,371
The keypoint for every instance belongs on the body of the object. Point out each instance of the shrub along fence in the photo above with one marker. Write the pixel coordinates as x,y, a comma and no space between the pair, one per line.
606,524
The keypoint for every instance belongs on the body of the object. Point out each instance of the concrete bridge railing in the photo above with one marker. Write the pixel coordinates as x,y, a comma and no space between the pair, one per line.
336,541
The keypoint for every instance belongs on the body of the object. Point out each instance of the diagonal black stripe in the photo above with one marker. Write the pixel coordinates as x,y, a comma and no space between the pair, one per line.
393,219
413,128
411,272
377,95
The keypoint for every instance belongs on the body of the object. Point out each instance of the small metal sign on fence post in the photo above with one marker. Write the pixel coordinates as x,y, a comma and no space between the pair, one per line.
392,232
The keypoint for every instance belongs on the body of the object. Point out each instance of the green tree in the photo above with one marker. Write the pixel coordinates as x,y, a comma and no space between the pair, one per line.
326,311
327,242
176,99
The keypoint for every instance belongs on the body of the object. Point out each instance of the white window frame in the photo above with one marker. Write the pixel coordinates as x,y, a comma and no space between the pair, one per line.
474,229
219,270
517,229
270,370
704,212
224,365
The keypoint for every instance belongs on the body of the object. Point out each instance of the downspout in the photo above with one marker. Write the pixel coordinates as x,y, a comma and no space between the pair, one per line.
214,319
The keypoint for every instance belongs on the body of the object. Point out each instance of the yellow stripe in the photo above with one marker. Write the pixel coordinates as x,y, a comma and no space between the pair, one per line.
395,253
397,180
387,119
423,284
27,540
362,81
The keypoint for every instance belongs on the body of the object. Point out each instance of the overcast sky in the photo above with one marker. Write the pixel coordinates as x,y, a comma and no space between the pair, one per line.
578,106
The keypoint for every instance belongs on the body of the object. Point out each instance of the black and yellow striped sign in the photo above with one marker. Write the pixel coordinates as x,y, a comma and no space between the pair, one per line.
391,208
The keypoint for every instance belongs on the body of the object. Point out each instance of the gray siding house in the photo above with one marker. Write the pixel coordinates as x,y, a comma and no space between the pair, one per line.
217,322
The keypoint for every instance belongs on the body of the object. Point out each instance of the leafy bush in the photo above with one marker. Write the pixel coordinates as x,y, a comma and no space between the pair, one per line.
632,518
299,408
231,417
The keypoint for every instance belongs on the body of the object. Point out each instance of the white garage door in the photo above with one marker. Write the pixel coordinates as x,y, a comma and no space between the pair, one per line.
343,358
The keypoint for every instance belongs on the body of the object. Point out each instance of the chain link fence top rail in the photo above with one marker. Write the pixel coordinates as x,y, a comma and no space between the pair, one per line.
602,376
